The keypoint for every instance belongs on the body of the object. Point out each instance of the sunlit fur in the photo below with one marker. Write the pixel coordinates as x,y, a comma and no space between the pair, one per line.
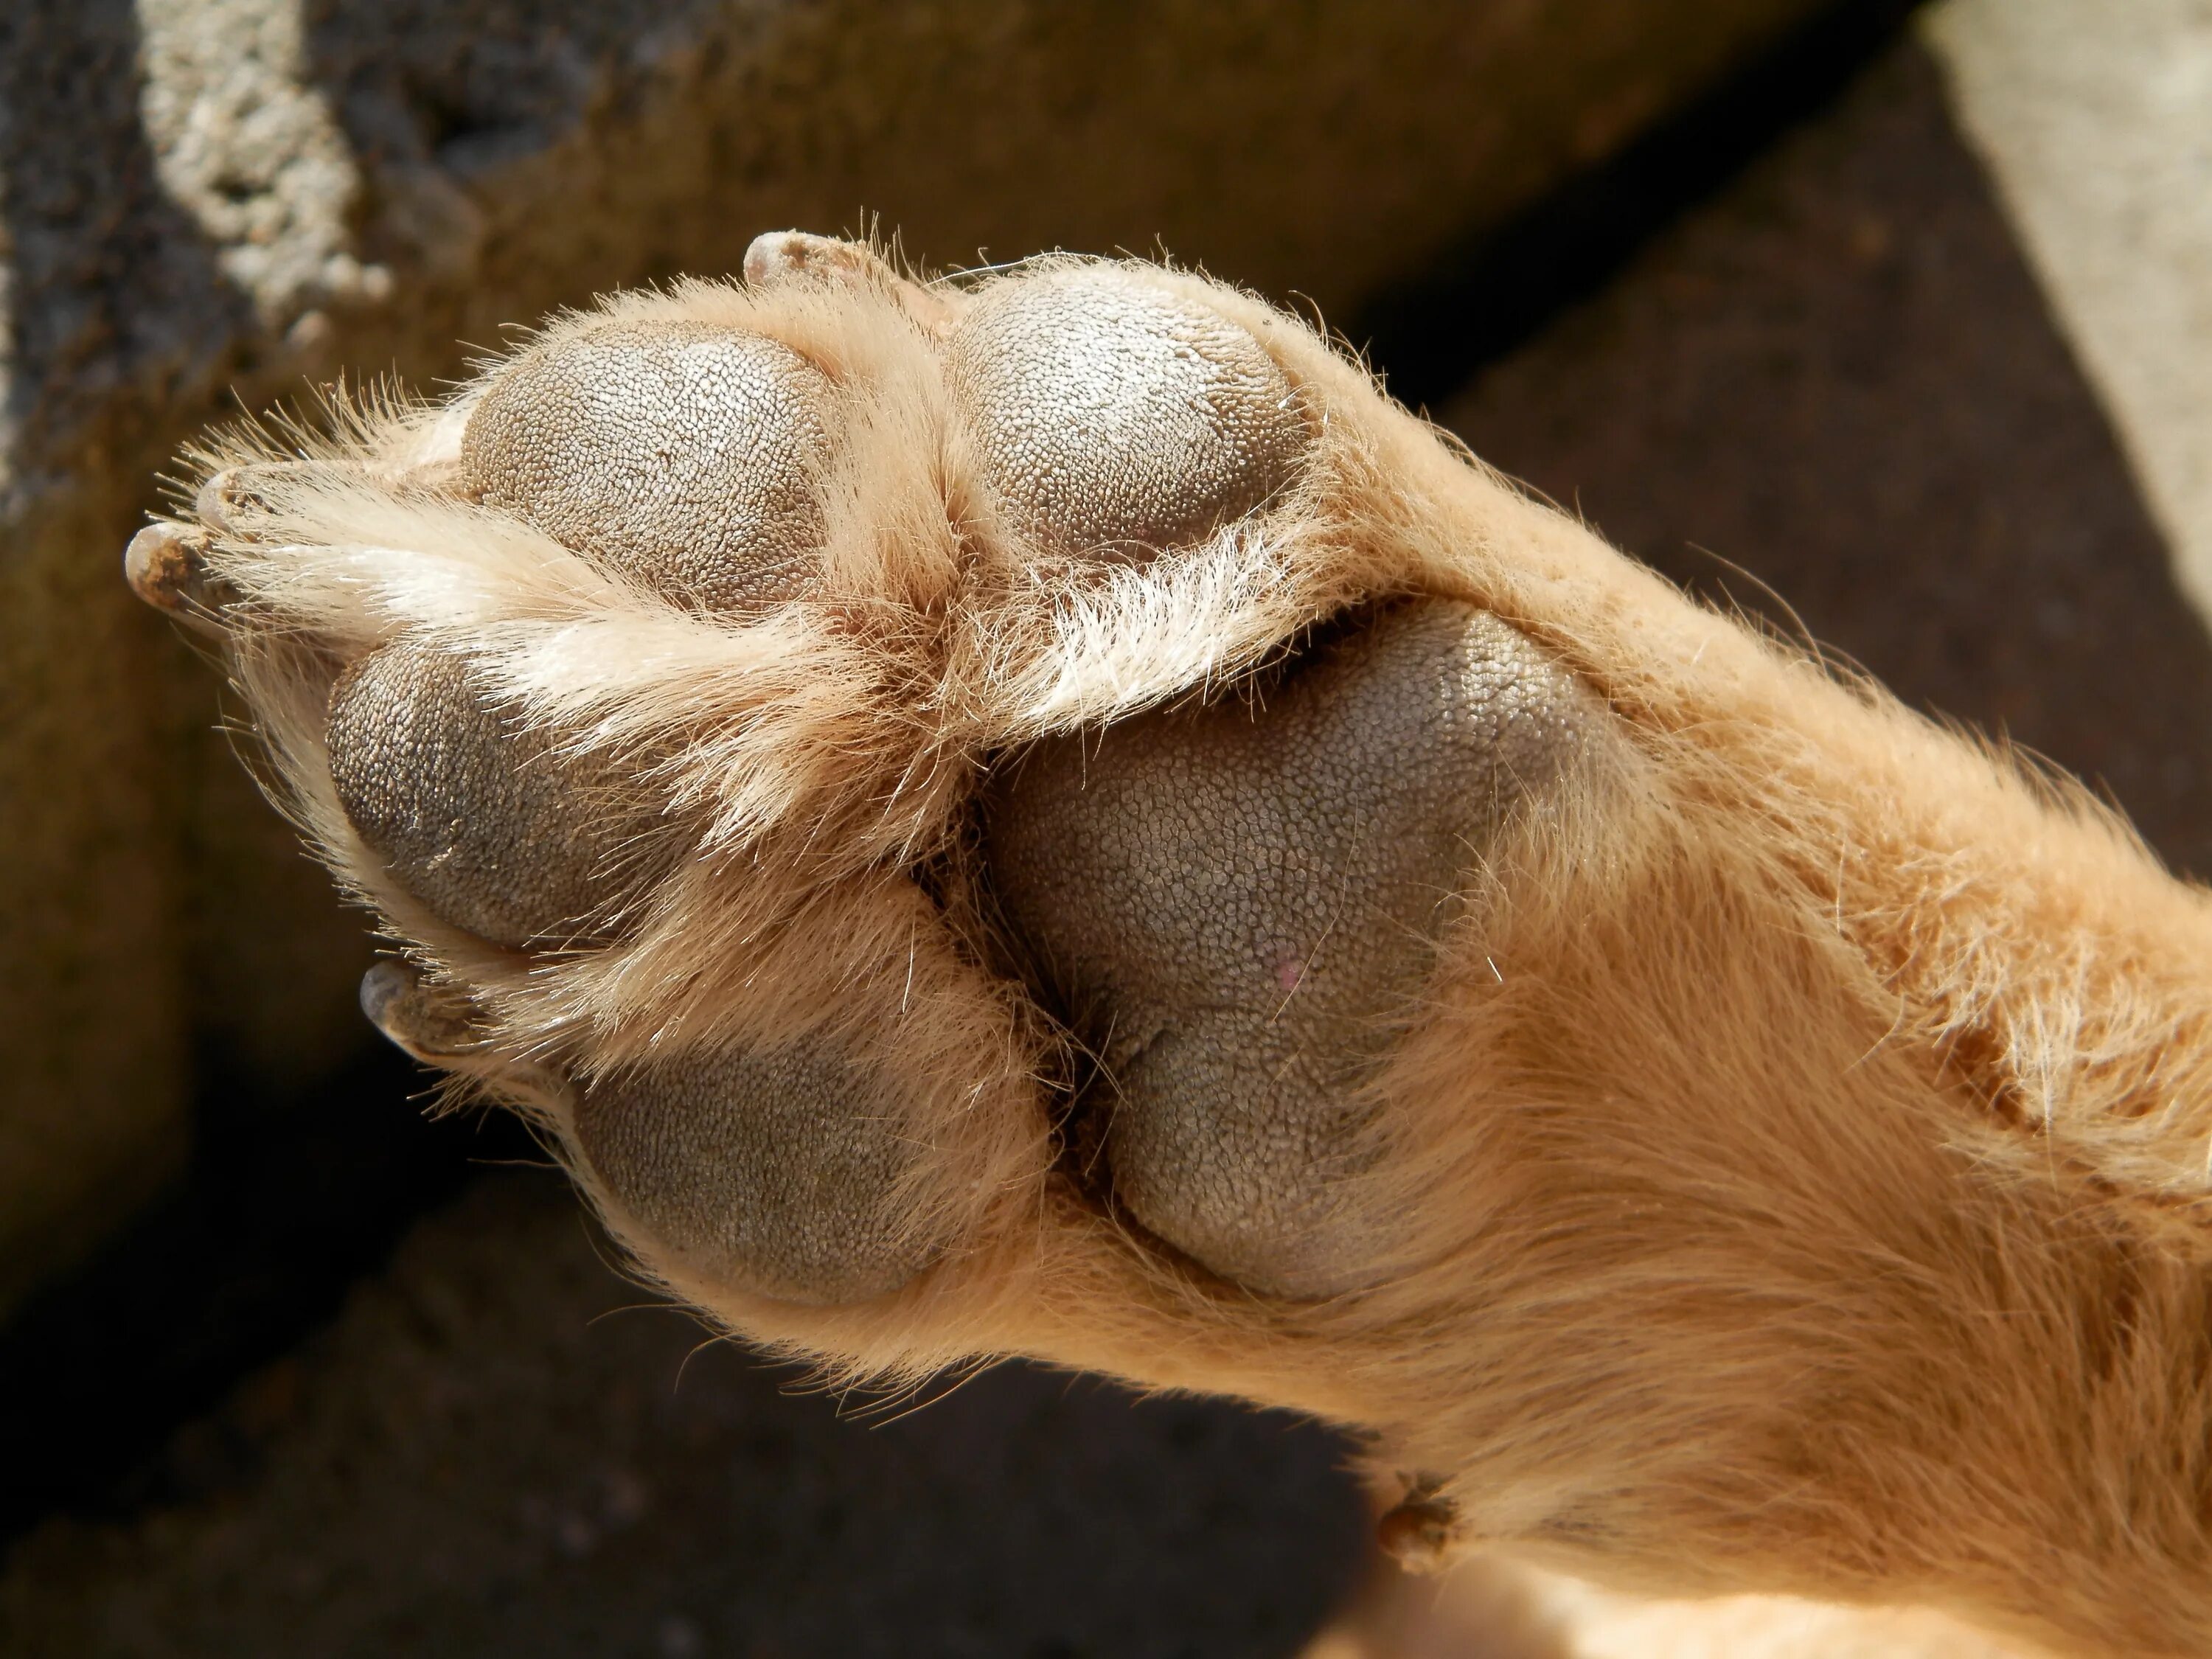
1804,1149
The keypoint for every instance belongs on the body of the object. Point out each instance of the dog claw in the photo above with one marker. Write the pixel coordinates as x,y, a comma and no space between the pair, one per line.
1425,1532
780,256
431,1023
166,565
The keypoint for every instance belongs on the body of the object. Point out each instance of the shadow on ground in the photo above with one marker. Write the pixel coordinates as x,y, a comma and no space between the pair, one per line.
500,1449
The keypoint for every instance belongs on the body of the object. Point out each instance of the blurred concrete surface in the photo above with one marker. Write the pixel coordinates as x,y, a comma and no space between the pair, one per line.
1840,374
203,199
2096,123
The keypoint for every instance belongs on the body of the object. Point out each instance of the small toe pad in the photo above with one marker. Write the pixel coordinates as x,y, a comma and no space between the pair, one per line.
780,1170
480,819
1113,418
686,455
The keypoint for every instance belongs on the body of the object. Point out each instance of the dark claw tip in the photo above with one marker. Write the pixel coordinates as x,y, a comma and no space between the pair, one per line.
1423,1532
429,1022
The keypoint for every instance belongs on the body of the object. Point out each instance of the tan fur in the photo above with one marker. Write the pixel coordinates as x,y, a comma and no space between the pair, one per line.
1803,1153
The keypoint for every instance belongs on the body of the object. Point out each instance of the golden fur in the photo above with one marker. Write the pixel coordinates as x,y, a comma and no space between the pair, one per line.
1804,1149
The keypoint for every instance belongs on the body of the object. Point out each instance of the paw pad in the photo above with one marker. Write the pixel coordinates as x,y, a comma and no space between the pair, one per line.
482,821
780,1170
1238,903
1113,418
684,454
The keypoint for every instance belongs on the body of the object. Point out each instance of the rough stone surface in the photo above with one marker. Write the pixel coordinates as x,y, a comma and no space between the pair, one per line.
199,197
496,1452
1837,398
2092,121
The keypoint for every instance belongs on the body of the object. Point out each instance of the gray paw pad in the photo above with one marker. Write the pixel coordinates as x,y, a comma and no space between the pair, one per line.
684,454
778,1172
482,822
1109,417
1238,903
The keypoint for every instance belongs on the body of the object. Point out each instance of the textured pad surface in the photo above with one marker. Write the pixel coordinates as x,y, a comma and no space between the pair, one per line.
480,820
682,454
1236,903
1111,417
777,1171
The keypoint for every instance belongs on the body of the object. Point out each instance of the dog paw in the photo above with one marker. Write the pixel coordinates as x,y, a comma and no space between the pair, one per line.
1043,814
871,766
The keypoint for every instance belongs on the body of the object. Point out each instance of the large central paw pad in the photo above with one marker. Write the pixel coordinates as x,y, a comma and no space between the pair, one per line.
1239,902
829,744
